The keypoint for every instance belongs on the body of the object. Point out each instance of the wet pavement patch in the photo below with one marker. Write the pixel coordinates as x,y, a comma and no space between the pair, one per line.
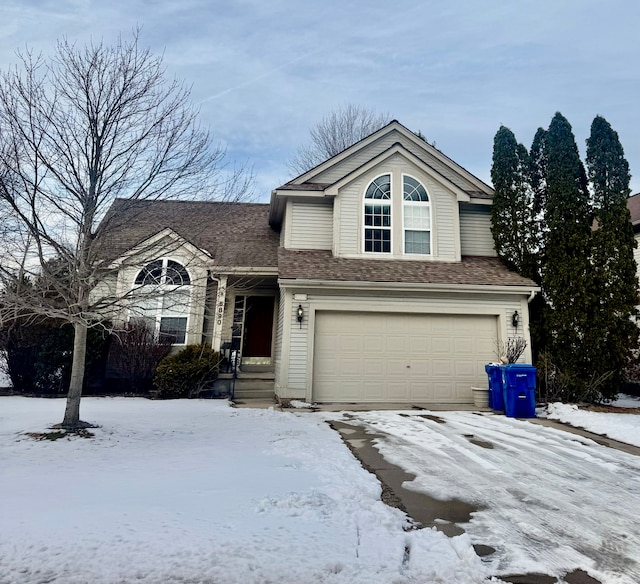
483,551
482,443
426,511
530,579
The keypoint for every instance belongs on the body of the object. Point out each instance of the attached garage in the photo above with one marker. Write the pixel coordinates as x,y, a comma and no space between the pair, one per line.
375,357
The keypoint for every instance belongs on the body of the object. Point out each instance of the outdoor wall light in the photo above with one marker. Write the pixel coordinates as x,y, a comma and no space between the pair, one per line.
300,314
515,318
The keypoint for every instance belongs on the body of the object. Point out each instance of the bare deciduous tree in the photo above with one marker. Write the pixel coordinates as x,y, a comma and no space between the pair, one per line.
77,131
337,130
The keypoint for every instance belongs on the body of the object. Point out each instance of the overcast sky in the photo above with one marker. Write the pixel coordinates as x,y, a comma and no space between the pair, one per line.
264,71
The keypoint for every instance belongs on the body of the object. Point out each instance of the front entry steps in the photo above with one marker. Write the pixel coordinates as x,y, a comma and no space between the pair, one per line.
255,382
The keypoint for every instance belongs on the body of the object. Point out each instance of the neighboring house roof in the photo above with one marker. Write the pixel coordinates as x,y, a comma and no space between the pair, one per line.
234,234
321,265
633,204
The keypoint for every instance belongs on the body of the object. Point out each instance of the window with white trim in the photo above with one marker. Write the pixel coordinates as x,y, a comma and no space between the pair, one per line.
416,217
377,215
162,299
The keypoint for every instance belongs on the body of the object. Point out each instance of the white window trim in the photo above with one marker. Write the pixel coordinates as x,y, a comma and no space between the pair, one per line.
163,289
388,202
417,204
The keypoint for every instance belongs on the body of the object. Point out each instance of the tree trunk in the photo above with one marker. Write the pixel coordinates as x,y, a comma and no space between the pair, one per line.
72,411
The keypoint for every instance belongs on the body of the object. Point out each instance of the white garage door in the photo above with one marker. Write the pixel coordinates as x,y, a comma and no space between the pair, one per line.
403,358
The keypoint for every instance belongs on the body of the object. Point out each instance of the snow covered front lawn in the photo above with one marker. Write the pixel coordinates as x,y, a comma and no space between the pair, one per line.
194,491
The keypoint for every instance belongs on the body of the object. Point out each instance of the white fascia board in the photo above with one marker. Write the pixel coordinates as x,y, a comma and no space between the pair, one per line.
249,271
402,151
476,201
405,286
279,200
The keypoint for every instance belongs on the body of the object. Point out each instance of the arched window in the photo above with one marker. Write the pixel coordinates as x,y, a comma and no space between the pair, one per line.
162,302
377,215
416,212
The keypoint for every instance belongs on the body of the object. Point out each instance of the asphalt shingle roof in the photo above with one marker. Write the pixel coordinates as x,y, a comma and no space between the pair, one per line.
234,234
321,265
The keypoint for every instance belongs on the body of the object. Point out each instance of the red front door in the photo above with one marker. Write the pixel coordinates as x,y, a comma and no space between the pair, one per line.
258,326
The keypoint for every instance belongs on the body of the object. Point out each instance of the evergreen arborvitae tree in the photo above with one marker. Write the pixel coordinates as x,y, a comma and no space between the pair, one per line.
538,179
613,334
567,272
511,213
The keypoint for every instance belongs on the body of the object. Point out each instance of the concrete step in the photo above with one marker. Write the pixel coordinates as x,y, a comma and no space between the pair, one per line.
250,393
254,385
246,368
257,375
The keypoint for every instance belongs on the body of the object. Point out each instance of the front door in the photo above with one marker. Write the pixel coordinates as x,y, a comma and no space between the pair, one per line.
258,329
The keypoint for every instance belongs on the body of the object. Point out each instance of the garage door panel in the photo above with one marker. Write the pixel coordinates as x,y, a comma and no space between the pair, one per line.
389,357
375,390
418,344
351,344
441,345
444,391
464,368
374,344
398,391
397,367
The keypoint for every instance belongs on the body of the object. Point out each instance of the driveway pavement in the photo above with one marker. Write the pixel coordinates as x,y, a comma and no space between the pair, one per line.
540,504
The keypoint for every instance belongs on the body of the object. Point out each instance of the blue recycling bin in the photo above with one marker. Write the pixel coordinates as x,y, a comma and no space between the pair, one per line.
496,398
519,386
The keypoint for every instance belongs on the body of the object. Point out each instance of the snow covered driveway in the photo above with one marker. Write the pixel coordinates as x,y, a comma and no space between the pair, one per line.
551,502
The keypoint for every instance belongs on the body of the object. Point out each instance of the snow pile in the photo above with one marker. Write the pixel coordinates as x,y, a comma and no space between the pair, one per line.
626,401
623,427
196,492
300,405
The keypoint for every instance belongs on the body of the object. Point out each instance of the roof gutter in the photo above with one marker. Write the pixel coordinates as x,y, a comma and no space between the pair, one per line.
407,286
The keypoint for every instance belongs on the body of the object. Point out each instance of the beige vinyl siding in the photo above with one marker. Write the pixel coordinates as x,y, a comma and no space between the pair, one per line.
311,225
343,168
298,346
475,230
277,355
385,142
349,199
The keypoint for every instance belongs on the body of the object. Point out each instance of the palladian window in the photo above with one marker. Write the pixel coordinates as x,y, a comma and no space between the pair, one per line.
162,301
416,217
377,215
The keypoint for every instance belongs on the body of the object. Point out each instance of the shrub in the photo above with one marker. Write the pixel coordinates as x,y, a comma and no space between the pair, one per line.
136,352
186,373
39,354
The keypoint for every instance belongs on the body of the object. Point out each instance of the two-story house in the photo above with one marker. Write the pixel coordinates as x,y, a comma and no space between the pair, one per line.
371,278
